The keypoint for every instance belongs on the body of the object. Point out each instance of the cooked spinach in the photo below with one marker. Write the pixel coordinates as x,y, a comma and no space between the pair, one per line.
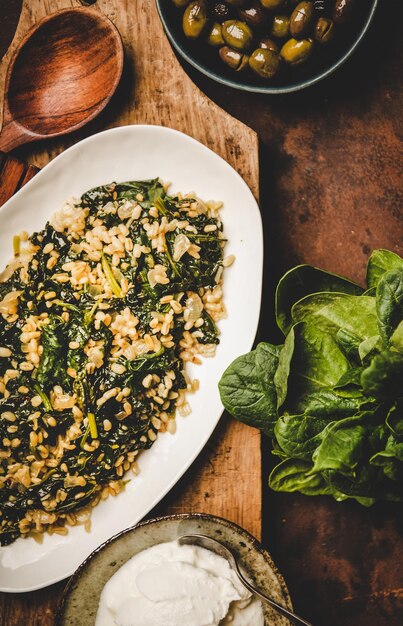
52,366
70,423
331,398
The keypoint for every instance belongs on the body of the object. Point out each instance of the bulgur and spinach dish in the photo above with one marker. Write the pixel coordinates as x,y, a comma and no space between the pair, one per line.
99,313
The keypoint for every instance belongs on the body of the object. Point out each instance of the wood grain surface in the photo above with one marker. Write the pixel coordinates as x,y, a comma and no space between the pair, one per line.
226,478
10,14
13,175
63,73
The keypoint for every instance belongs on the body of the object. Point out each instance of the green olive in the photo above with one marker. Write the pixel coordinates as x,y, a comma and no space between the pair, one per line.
214,37
301,19
324,30
244,63
272,4
268,44
195,19
237,35
264,62
181,3
233,58
280,26
342,10
254,14
296,51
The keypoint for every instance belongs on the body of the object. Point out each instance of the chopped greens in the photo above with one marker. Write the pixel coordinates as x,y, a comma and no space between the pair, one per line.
96,328
111,277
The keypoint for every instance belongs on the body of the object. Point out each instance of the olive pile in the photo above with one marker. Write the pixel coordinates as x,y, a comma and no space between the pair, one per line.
262,34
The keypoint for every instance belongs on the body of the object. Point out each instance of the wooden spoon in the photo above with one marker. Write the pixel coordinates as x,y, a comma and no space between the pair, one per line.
61,76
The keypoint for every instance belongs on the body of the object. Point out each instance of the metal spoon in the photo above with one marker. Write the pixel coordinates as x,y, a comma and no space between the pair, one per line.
223,551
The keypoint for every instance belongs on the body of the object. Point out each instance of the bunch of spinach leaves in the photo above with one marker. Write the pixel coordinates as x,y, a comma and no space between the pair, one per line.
330,397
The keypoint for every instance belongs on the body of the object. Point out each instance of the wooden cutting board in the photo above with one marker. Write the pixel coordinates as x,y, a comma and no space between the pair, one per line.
226,478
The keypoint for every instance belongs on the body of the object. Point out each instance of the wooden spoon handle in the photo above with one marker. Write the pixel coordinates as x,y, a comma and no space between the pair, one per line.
13,135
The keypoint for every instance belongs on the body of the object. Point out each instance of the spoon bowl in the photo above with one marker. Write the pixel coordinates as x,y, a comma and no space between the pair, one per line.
61,76
218,548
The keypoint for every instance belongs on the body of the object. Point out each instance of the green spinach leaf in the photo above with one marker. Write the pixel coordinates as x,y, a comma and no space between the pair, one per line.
380,262
394,419
335,312
247,387
283,370
299,435
349,344
317,361
330,404
294,475
391,460
383,378
304,280
389,303
341,447
396,340
368,346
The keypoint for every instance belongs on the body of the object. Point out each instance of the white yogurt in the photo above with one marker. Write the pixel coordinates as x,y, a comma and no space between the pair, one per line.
174,585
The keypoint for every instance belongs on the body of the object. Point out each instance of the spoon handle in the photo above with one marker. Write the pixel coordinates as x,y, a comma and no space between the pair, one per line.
13,135
280,609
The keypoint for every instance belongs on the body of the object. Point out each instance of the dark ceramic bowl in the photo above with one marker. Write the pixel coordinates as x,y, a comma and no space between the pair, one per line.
81,597
205,58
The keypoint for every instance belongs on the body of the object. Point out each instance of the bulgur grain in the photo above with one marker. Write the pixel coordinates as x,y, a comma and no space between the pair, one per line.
110,342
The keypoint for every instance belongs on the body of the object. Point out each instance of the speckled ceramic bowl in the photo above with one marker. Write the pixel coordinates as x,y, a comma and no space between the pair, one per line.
205,58
81,597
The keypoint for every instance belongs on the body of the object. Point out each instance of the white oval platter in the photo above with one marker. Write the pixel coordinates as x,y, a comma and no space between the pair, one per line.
135,153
